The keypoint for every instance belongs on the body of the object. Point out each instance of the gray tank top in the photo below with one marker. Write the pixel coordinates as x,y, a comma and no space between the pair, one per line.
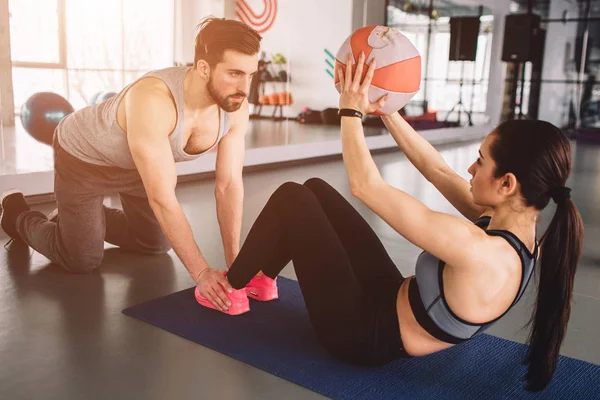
93,135
426,292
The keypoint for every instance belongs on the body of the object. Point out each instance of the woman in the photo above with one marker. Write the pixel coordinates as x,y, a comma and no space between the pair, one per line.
362,309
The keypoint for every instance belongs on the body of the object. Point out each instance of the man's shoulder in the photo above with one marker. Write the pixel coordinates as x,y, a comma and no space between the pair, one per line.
150,99
151,94
151,85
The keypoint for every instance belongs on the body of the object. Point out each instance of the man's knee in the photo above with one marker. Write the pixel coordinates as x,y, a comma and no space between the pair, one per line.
82,263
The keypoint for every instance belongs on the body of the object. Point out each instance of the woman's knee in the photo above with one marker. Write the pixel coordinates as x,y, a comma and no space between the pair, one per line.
292,197
290,190
315,182
319,186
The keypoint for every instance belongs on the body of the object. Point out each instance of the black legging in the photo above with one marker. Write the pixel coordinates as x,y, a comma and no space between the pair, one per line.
348,280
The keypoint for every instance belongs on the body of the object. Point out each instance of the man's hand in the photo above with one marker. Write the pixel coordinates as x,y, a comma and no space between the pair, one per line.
212,284
151,115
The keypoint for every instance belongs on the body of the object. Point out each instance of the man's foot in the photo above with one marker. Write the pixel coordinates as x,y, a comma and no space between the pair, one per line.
238,298
262,288
13,204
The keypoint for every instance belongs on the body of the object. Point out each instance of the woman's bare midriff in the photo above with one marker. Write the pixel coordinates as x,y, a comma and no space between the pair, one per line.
416,340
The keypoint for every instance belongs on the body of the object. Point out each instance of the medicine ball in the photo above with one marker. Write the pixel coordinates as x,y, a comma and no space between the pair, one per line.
398,69
42,112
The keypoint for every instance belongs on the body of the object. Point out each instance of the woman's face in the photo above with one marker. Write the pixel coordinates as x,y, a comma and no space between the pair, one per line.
484,185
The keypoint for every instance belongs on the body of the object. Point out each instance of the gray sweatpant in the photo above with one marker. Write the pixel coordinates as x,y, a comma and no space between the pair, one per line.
76,241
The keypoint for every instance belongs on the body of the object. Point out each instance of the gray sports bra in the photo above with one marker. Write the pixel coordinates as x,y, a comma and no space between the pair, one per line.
426,292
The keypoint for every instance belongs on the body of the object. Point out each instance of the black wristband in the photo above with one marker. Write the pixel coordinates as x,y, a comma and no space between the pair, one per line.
349,112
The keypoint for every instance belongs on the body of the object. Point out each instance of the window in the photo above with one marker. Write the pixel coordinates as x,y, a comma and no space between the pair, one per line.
94,34
441,77
79,48
34,31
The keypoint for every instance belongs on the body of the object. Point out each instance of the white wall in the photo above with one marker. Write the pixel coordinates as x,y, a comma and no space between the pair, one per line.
7,106
301,32
188,14
559,53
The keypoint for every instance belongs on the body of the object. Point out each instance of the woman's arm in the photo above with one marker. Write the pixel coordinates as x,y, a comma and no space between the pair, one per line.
449,238
446,237
433,166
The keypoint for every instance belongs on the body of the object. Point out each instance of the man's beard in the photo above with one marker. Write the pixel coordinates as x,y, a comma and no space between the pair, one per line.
225,102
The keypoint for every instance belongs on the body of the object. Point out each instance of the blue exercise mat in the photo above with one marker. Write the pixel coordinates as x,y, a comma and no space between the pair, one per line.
277,337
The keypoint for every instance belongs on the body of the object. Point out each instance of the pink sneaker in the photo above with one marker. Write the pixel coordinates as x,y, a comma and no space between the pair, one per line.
262,288
238,298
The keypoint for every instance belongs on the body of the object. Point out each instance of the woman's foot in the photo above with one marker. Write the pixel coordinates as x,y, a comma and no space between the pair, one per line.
262,288
238,298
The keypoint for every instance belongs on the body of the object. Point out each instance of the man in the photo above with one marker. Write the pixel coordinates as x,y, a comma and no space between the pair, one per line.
129,145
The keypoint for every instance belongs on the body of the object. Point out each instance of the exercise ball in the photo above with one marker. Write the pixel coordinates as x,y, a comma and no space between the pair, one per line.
103,96
398,68
42,112
92,99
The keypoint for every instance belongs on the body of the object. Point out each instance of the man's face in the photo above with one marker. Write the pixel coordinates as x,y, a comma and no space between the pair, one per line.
229,80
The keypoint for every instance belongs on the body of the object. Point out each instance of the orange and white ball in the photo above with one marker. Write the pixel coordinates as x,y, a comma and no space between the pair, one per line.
398,66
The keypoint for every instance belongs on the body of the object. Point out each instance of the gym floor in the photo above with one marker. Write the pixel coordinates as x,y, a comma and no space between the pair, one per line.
63,336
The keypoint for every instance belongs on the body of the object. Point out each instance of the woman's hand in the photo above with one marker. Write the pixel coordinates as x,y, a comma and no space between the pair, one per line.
354,93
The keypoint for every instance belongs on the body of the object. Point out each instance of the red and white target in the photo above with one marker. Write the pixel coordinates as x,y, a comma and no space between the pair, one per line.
259,21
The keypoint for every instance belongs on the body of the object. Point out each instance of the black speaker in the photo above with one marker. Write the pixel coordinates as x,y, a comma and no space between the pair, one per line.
464,32
520,37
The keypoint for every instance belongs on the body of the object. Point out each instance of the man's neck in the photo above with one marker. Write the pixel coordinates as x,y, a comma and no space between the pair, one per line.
195,92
